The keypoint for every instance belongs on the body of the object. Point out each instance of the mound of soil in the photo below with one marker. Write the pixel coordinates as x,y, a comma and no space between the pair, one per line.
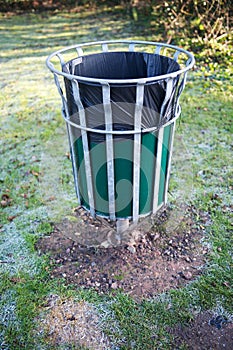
150,261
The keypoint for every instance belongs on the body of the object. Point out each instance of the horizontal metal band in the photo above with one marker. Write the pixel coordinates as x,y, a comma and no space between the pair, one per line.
117,132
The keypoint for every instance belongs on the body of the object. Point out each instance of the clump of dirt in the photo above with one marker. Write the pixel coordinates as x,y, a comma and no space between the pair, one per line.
151,261
207,331
66,322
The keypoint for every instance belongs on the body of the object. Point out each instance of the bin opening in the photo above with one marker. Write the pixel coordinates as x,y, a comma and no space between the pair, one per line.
122,65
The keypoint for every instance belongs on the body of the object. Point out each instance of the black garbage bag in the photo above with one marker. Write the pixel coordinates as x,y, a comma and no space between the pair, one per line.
123,65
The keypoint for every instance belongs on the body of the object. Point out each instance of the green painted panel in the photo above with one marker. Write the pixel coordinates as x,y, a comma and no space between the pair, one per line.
147,174
123,169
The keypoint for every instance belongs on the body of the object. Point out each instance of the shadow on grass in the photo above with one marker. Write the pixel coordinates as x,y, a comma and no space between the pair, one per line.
34,35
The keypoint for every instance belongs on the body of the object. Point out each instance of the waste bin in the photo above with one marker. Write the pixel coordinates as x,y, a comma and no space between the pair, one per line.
120,101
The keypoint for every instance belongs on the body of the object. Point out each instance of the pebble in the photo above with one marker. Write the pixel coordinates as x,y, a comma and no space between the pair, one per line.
114,285
187,275
156,236
135,234
105,244
131,249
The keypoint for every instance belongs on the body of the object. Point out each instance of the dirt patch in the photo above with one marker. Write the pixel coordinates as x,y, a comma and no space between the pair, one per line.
152,261
206,332
66,322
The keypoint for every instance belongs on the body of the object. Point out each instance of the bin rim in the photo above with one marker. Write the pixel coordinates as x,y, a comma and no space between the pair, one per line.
189,63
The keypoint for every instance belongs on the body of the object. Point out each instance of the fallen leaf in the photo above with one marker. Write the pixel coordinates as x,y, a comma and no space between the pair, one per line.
11,218
17,279
6,200
35,173
5,196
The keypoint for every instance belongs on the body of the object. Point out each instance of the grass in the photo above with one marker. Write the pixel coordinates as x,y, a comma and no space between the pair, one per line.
35,176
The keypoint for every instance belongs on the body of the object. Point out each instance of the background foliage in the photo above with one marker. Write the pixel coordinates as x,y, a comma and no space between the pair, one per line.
204,26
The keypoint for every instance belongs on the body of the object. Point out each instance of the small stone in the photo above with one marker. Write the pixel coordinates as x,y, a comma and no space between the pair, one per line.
187,275
114,285
4,203
97,284
70,317
131,249
156,236
105,244
135,234
68,250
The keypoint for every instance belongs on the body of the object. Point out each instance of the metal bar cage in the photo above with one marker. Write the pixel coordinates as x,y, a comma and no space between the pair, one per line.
121,169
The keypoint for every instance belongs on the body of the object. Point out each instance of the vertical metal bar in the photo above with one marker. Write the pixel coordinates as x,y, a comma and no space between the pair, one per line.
62,62
131,47
169,89
176,55
158,169
66,116
157,50
87,160
74,160
79,51
105,47
179,91
137,150
172,132
109,150
182,85
189,60
64,103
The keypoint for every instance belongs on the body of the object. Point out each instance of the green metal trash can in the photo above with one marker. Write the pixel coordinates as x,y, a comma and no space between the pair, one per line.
121,104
